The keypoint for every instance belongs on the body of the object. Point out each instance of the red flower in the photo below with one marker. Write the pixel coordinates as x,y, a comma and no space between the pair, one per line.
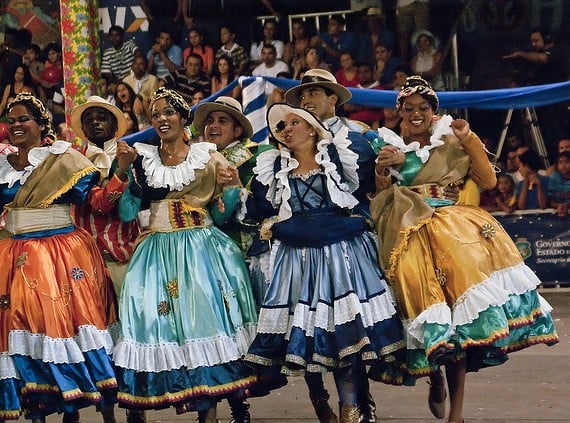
69,57
67,26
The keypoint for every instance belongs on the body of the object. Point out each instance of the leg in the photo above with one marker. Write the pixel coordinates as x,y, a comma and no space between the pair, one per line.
437,395
319,397
71,417
240,409
456,372
136,416
346,380
108,414
208,416
366,403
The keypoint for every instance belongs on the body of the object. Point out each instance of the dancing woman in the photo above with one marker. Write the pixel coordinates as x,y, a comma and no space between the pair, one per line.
186,306
55,301
327,307
463,291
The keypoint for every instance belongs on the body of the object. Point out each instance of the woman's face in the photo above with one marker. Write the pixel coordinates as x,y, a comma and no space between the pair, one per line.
123,93
416,115
53,56
381,53
23,130
423,43
223,66
505,185
269,30
312,56
297,133
298,30
19,74
167,122
346,61
197,97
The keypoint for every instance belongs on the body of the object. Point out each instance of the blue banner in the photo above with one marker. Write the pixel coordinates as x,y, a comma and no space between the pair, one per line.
543,240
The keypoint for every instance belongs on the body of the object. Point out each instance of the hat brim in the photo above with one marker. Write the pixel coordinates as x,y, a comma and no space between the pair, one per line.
293,95
75,118
204,109
277,112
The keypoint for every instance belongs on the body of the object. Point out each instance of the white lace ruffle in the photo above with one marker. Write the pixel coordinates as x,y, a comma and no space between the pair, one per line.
173,177
9,175
326,317
279,189
440,129
348,158
242,205
7,368
193,354
492,292
59,350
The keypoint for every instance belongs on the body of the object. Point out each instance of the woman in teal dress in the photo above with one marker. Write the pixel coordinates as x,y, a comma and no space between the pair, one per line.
186,308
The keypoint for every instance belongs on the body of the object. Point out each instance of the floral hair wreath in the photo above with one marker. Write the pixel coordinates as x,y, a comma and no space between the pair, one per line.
417,85
175,100
39,111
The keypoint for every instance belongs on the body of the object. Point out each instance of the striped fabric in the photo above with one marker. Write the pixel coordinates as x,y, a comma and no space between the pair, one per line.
253,94
118,62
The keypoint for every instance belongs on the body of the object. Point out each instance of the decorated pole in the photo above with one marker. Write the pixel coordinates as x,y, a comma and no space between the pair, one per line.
80,46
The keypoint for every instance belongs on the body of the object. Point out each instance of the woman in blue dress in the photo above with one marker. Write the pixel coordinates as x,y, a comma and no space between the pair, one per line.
327,307
186,306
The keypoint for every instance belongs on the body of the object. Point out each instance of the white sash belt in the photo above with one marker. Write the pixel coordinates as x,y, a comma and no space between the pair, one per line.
22,221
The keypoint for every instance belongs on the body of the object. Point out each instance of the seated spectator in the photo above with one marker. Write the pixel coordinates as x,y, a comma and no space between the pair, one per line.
531,191
412,15
392,119
385,64
132,122
270,66
347,75
117,60
197,46
502,197
401,73
311,60
513,164
53,59
376,32
188,79
268,37
336,40
563,145
198,96
278,94
164,57
31,58
222,74
559,185
372,116
300,41
232,49
427,59
127,101
143,83
21,81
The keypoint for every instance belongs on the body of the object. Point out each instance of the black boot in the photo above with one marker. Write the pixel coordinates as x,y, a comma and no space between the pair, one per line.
40,420
136,416
367,408
108,414
240,410
71,417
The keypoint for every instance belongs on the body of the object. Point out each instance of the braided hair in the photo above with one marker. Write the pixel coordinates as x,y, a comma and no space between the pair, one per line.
39,112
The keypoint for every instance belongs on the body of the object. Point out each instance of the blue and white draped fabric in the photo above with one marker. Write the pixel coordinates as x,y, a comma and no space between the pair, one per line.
253,103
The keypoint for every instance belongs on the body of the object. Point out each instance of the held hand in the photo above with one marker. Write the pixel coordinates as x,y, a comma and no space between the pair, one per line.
126,155
228,176
460,128
389,156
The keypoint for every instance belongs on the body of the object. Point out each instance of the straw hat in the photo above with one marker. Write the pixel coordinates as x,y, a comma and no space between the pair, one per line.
373,12
317,78
96,101
222,104
276,117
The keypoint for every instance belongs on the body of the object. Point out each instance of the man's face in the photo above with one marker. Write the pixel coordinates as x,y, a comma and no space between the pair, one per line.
512,161
98,124
334,27
536,41
316,101
221,129
164,40
563,145
115,38
268,56
139,67
195,38
193,66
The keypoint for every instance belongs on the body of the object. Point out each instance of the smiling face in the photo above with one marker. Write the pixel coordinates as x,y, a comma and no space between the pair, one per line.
23,130
221,129
316,100
167,122
416,113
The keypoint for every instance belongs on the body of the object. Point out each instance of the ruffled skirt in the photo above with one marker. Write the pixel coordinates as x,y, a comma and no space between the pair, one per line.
56,306
324,309
187,316
463,290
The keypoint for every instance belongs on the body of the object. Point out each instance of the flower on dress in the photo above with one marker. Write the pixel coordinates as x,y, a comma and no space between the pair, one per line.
172,288
77,273
488,231
440,276
265,232
114,196
163,308
22,259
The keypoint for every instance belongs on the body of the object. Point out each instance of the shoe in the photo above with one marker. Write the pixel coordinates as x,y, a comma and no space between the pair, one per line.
437,400
208,416
136,416
108,414
240,412
71,417
367,409
324,411
349,414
